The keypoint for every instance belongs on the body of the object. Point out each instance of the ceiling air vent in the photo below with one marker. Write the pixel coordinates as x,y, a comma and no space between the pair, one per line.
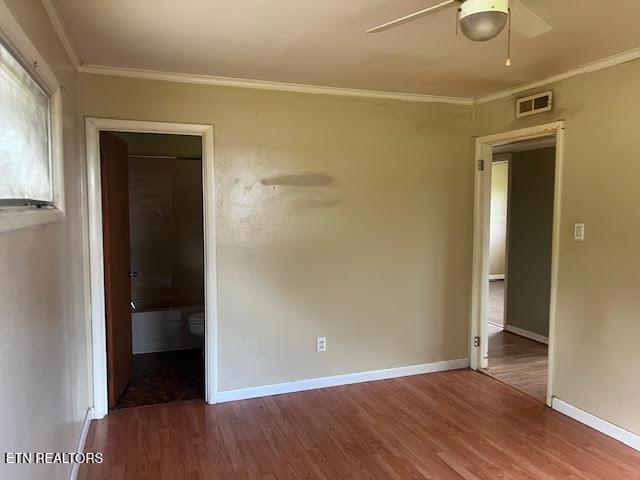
538,103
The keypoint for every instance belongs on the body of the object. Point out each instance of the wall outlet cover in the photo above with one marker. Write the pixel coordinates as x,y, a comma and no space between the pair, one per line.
321,344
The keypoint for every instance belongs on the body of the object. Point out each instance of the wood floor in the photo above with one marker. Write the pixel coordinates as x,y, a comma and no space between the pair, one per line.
514,360
450,425
519,362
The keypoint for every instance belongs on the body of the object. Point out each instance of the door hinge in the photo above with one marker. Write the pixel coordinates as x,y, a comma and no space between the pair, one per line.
481,165
476,341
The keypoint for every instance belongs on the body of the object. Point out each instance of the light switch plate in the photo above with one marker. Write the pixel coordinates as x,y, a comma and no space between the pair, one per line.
578,232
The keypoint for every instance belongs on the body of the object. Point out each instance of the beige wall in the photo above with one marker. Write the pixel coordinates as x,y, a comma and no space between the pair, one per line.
498,227
372,250
338,217
597,311
44,374
530,240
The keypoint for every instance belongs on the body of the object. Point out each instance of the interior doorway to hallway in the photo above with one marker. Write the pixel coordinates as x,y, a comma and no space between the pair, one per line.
515,257
521,229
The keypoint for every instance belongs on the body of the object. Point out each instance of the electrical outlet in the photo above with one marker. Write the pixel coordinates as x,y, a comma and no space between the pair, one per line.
578,232
321,344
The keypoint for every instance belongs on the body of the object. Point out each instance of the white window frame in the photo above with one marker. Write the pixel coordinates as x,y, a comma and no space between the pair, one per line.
17,217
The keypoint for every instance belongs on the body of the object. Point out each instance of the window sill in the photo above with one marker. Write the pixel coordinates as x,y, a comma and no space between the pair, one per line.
17,218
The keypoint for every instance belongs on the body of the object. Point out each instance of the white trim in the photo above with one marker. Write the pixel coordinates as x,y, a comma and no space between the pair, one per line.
527,334
334,381
14,218
13,33
481,222
497,276
538,143
81,442
267,85
93,127
58,25
625,436
601,64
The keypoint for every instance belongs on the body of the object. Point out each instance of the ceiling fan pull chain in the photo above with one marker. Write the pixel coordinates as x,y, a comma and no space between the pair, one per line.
508,62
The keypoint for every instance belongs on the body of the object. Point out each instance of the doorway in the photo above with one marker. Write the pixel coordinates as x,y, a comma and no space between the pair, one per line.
151,216
520,232
515,257
154,267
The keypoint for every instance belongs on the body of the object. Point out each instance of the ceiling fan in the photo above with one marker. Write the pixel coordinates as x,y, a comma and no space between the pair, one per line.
482,20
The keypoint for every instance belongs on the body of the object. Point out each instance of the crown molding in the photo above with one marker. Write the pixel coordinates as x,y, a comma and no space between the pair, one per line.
267,85
601,64
58,26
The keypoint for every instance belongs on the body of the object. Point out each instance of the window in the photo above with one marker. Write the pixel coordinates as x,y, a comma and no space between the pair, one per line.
31,168
25,139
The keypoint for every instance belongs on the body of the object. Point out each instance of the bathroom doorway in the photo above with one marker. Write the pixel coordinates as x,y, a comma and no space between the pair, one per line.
154,269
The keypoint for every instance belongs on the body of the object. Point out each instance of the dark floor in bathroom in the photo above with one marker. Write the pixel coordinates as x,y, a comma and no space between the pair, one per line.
164,377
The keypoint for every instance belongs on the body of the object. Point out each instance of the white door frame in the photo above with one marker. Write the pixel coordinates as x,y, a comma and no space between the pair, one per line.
93,127
481,223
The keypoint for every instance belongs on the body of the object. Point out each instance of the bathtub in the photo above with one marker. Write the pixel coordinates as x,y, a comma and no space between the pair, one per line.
164,330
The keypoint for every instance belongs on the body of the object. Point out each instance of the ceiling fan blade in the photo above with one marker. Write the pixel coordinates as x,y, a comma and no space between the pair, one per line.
525,22
411,17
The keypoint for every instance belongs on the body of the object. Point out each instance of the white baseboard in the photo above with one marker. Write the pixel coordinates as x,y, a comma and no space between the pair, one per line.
609,429
527,334
323,382
81,442
497,276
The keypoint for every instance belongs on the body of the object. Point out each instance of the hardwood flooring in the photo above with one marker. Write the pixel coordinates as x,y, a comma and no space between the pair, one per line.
450,425
518,362
514,360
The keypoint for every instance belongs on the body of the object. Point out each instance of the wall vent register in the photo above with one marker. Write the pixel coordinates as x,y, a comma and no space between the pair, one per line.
537,103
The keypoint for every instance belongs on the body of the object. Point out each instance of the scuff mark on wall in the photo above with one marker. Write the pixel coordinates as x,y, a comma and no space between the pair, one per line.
299,180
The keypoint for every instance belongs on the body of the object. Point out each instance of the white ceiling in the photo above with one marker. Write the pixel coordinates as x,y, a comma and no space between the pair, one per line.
322,42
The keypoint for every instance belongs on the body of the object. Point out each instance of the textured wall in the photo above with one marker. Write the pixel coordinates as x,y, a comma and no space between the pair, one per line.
598,303
338,217
44,363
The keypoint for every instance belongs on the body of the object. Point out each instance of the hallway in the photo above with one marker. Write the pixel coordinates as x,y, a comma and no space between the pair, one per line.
517,361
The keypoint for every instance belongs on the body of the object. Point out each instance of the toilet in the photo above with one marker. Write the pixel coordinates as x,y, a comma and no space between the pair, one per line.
196,324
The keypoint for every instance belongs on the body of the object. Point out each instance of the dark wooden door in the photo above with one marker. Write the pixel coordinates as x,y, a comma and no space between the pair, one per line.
117,284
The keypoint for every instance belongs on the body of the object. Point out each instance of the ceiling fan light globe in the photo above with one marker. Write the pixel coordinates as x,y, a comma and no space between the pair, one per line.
483,26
